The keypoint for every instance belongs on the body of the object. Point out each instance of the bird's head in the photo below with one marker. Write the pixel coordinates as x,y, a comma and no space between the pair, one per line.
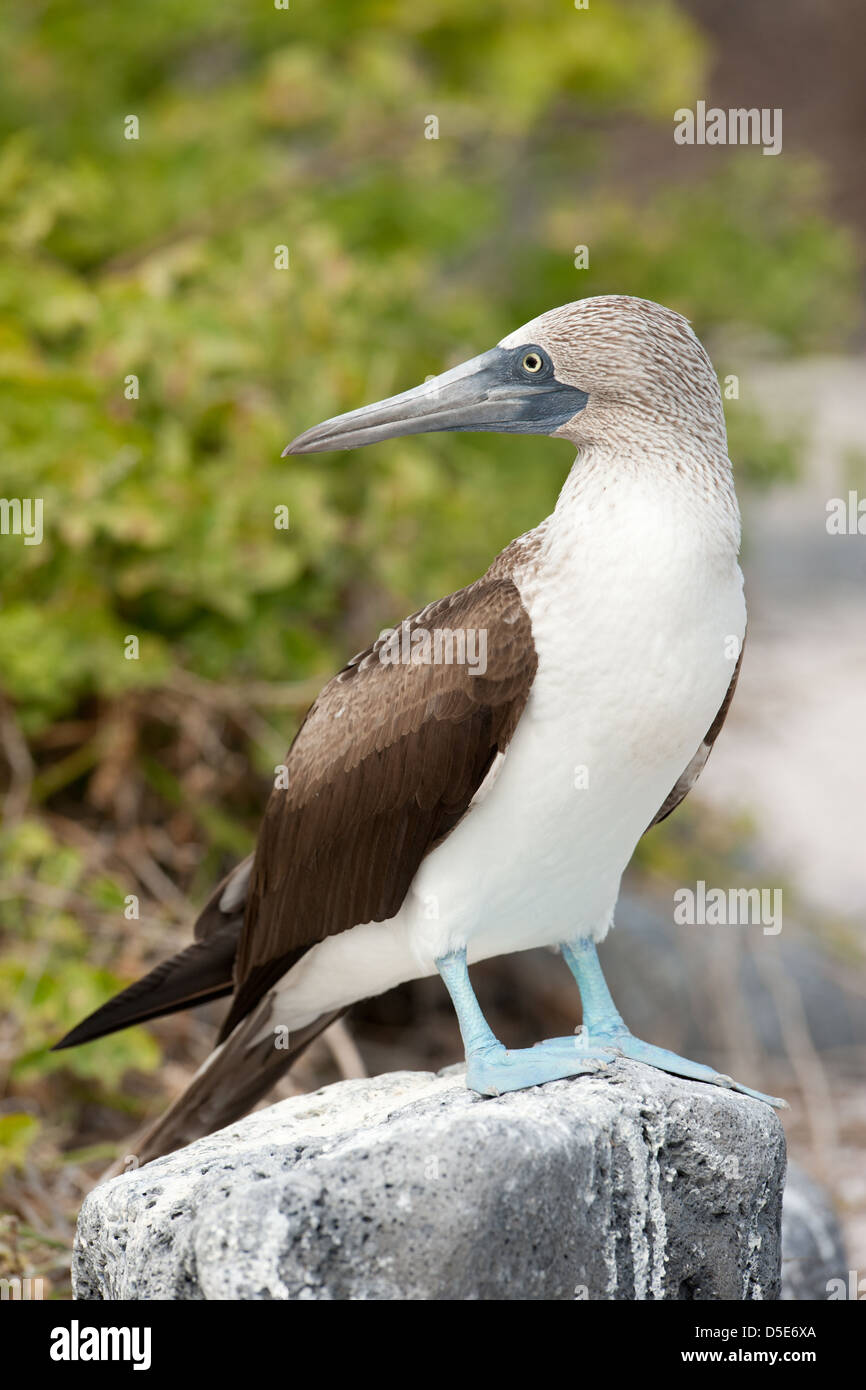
580,372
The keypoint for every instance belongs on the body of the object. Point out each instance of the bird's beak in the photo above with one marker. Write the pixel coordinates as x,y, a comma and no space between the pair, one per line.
486,393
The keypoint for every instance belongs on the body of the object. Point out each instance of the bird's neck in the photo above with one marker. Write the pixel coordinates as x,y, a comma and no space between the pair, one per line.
662,490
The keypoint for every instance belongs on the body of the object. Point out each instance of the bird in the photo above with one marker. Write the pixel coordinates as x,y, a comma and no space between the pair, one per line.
475,782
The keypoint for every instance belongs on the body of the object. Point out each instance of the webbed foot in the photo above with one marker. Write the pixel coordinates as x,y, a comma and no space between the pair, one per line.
495,1069
619,1042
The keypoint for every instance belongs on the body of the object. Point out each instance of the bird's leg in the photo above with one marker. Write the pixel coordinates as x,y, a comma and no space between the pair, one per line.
475,1031
490,1067
604,1034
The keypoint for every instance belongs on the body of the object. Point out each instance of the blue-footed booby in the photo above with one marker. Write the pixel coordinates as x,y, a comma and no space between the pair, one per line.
476,783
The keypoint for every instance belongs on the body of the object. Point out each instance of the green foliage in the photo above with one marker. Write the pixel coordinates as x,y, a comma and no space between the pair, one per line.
155,258
53,973
767,457
18,1131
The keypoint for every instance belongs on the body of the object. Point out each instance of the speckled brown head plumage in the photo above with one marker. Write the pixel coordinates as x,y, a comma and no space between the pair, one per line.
641,366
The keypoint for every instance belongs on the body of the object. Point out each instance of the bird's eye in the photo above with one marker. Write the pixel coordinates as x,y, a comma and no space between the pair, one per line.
532,362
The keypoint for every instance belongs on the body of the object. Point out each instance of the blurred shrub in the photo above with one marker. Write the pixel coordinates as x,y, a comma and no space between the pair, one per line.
56,973
155,258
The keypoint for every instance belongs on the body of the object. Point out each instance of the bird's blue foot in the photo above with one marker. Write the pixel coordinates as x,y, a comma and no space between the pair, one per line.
605,1035
494,1069
610,1044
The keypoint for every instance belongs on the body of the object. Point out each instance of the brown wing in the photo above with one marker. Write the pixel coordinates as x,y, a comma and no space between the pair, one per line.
226,902
687,779
385,765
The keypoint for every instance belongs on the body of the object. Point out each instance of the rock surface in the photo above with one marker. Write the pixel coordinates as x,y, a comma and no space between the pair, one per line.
627,1185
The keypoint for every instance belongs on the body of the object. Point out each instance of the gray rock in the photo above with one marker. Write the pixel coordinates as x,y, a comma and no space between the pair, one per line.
813,1249
626,1185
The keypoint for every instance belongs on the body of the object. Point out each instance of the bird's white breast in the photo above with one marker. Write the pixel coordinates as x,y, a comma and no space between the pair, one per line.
637,616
